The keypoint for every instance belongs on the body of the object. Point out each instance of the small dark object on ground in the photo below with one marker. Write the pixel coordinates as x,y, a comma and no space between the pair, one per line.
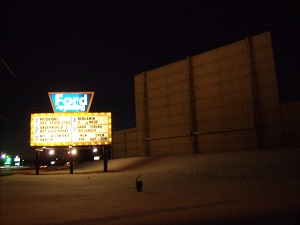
138,184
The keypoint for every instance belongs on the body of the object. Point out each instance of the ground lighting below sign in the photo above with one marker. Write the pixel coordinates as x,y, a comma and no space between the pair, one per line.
70,129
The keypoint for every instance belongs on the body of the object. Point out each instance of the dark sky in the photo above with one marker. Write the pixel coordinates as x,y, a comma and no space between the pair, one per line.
100,45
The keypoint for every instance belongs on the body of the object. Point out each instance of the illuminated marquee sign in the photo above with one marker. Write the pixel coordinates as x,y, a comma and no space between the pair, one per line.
71,101
70,129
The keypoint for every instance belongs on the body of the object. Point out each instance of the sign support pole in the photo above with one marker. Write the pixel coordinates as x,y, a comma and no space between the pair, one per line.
105,159
37,163
71,165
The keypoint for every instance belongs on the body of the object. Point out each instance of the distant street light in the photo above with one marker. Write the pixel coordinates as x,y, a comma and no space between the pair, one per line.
74,152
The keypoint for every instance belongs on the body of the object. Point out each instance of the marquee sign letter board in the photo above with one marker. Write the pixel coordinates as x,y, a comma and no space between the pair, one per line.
70,129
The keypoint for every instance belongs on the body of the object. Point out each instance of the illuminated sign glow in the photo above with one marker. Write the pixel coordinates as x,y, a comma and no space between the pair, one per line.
70,129
71,101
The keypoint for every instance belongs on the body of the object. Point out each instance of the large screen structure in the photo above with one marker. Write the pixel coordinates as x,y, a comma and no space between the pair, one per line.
70,129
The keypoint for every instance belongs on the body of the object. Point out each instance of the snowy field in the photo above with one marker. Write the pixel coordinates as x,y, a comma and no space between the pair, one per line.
248,187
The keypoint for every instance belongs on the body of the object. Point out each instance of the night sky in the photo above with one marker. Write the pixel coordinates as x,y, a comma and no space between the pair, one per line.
51,46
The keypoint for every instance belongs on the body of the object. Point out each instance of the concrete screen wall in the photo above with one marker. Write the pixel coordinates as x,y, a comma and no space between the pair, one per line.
224,99
236,98
125,143
162,118
291,123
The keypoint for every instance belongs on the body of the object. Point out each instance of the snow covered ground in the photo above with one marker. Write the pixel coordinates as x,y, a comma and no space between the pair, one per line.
245,187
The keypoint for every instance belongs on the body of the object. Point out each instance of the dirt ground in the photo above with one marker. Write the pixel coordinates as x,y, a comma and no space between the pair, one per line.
244,187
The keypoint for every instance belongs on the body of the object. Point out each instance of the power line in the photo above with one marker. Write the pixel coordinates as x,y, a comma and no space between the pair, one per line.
5,118
14,75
